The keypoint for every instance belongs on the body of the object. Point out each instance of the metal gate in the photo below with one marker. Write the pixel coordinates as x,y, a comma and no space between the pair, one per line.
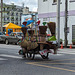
73,31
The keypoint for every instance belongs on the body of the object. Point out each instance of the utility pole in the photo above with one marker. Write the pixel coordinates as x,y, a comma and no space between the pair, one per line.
66,13
58,22
1,15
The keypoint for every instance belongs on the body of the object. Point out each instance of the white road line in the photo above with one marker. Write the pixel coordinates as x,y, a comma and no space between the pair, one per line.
3,59
66,51
56,54
50,55
11,56
17,53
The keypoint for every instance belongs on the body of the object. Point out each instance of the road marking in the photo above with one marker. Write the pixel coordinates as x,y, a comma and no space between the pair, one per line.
2,59
52,67
69,51
49,61
58,63
11,56
65,53
17,53
56,54
63,60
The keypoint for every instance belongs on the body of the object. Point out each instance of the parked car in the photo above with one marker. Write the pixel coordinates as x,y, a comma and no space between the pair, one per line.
14,37
1,34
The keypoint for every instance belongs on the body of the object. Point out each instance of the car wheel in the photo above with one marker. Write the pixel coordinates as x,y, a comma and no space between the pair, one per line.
6,42
17,43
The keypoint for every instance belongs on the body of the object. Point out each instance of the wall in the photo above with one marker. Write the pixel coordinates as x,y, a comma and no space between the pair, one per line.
49,10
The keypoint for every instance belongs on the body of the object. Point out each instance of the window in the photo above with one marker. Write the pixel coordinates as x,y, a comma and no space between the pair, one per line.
16,14
4,9
16,18
44,19
1,33
8,13
12,14
8,8
7,18
72,0
11,34
44,0
20,13
12,18
54,1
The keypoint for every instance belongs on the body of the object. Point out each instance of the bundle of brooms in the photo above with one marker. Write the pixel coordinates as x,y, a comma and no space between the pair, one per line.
24,30
24,44
52,27
42,29
42,32
31,32
28,45
32,45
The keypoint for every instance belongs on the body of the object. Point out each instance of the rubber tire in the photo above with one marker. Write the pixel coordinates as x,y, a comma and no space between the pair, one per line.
6,42
31,55
17,42
45,57
28,55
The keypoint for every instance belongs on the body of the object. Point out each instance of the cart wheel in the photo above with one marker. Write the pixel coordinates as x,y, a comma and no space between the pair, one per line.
45,57
31,55
23,56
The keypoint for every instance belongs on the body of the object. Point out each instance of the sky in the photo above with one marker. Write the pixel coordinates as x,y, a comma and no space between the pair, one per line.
32,4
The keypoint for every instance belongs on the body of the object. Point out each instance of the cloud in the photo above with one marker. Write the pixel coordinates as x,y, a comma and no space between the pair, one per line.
32,4
34,9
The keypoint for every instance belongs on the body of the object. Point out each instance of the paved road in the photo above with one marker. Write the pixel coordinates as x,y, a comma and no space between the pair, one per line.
13,64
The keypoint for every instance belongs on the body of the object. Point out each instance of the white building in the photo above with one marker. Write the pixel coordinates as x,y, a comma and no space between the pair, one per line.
47,10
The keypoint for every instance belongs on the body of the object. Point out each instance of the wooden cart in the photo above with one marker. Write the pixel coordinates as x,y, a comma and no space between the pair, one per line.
43,49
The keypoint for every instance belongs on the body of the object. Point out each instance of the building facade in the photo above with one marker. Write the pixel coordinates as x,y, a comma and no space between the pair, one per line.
11,13
29,15
47,11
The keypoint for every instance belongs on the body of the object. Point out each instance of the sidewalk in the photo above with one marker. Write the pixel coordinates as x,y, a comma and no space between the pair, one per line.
66,49
73,46
68,46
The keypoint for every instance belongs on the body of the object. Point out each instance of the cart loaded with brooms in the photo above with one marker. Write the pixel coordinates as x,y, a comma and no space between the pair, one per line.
35,41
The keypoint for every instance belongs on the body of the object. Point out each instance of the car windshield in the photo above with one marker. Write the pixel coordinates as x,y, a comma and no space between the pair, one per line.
1,33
